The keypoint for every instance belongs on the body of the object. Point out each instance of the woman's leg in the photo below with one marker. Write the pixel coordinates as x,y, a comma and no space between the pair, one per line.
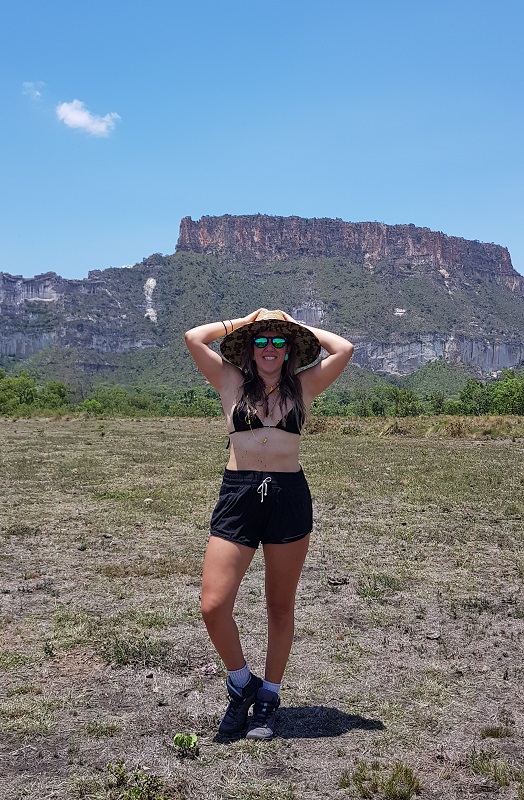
284,564
225,565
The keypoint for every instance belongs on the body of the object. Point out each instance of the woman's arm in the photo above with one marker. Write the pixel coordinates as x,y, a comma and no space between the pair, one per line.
217,371
315,379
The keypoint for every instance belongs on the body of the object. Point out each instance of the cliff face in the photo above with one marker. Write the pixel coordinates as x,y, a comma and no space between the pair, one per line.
403,295
50,310
382,249
484,357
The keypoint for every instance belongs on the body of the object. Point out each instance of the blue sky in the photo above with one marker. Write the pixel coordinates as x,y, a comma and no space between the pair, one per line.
122,117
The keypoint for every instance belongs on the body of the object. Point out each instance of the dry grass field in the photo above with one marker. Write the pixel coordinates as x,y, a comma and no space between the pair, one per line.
407,674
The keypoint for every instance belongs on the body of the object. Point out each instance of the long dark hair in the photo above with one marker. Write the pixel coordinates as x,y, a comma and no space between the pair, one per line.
289,386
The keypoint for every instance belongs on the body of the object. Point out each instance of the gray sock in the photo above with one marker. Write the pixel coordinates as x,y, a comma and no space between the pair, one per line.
271,687
239,677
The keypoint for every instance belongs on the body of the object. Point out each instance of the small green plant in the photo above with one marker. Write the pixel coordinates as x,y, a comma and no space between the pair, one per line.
495,732
83,788
400,784
344,781
49,649
19,529
486,763
100,730
18,691
365,779
28,716
186,745
480,761
135,786
503,774
137,650
10,660
480,604
377,587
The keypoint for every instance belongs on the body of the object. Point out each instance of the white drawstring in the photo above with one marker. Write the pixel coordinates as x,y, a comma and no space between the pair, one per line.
262,489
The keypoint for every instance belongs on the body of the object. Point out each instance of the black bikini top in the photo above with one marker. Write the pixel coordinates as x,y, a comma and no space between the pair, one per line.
242,421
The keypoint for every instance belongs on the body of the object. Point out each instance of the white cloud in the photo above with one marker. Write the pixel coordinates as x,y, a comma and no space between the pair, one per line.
32,89
76,115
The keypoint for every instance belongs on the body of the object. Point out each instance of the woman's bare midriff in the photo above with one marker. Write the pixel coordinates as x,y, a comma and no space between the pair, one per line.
278,454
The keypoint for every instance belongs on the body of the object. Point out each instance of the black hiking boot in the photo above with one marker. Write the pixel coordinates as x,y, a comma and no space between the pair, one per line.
234,721
262,725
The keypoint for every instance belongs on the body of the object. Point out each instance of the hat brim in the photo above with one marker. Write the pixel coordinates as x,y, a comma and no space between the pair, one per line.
306,345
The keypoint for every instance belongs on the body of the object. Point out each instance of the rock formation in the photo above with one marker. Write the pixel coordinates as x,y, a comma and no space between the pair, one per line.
404,295
385,249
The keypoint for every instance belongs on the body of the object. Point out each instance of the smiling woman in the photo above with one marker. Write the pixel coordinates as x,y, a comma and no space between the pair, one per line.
268,377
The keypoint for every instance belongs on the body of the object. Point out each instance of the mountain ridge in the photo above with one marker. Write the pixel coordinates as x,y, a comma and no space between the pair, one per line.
373,245
404,295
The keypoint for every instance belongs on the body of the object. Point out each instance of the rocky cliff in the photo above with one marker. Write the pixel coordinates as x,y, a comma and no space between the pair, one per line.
404,295
483,356
95,313
382,249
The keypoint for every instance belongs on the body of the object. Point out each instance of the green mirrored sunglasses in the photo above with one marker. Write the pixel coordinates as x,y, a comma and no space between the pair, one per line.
263,341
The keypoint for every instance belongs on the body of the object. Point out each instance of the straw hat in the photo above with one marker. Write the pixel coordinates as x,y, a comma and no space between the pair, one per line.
306,344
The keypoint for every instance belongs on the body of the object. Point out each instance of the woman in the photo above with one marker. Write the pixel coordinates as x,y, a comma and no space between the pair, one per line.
264,496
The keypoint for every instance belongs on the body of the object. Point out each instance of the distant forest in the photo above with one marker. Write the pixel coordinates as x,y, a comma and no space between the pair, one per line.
24,396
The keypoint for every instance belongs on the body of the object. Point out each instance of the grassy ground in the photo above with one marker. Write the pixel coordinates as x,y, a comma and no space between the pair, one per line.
407,671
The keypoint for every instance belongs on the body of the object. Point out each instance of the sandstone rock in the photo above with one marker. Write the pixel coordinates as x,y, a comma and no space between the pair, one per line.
388,249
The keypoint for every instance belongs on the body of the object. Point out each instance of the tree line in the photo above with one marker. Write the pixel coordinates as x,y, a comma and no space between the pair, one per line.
496,397
23,396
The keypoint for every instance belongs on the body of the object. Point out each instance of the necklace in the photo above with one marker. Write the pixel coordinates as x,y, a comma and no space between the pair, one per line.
260,441
269,411
268,390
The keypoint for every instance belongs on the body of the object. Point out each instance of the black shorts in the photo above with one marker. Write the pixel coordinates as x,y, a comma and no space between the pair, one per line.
267,507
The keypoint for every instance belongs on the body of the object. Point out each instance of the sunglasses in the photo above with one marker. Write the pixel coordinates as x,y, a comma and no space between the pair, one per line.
276,341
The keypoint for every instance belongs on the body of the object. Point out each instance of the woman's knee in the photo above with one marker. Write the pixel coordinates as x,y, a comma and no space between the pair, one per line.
214,611
280,613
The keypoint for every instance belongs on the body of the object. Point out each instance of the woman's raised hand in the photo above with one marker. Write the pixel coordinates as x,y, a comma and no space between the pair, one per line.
252,317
